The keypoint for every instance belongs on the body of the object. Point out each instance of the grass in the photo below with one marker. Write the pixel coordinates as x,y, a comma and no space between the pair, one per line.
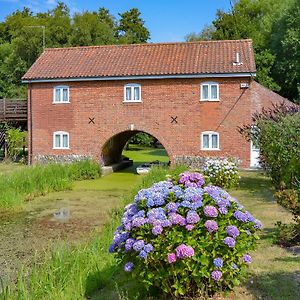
145,154
28,182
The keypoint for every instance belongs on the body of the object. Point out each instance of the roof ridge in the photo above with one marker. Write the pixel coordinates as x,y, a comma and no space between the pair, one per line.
146,44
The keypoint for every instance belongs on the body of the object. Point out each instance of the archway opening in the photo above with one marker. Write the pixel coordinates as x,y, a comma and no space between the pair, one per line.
133,149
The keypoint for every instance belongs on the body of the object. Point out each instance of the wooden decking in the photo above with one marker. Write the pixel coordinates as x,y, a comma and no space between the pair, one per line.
13,110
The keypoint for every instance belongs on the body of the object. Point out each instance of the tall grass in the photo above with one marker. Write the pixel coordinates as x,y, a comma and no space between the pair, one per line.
77,272
27,183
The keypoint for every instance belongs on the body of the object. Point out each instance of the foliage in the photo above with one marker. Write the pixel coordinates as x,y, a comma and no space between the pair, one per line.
276,132
274,27
21,37
27,183
16,140
131,28
142,139
221,172
185,238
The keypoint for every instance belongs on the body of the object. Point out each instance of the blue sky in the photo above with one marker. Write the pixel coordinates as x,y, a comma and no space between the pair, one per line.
167,20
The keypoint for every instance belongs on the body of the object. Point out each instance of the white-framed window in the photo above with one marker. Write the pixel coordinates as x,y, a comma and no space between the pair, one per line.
132,93
210,140
61,140
209,91
61,94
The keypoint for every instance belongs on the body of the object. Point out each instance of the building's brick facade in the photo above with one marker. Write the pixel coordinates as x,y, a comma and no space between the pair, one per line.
161,100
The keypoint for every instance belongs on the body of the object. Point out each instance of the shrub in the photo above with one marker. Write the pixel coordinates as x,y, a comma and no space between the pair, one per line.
16,139
142,139
185,238
221,172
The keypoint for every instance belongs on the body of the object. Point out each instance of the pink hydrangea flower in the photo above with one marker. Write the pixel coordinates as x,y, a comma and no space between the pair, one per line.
171,258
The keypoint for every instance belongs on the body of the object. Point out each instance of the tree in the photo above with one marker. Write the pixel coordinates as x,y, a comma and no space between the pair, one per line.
285,42
131,29
206,34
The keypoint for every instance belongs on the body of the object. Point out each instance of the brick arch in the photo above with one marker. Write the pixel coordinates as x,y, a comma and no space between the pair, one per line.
111,150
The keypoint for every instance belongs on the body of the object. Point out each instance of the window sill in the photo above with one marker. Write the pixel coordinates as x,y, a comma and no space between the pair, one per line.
126,101
55,148
210,149
61,102
209,100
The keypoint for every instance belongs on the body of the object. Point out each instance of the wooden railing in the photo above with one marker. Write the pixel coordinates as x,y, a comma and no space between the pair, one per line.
13,110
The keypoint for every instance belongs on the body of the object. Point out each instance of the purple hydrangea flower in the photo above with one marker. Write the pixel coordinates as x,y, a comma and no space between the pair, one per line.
258,224
171,258
183,251
138,222
223,210
166,223
232,231
229,241
192,217
247,259
129,243
234,266
143,254
240,216
210,211
148,248
189,227
216,275
177,219
171,207
157,230
249,217
128,267
138,245
218,262
211,225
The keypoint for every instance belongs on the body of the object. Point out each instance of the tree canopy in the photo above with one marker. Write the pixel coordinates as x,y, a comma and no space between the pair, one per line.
274,27
21,37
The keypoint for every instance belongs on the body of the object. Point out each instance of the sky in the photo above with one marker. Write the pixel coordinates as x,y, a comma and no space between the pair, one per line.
167,20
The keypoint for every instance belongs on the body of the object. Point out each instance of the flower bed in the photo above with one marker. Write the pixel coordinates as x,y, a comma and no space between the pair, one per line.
185,237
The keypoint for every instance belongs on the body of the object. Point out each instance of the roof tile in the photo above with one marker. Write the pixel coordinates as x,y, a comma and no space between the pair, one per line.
206,57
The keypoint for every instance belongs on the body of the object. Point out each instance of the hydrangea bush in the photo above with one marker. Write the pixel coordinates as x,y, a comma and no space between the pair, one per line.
221,172
185,237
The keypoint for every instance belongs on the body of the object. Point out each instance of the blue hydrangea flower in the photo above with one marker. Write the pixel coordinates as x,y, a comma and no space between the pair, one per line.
218,262
143,254
138,245
148,248
128,267
192,217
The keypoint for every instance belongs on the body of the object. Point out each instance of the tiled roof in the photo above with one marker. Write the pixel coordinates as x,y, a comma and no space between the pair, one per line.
206,57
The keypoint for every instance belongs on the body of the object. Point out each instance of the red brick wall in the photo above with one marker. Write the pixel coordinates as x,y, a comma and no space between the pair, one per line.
161,99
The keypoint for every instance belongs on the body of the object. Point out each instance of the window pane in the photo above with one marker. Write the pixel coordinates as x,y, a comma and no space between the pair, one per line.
128,93
214,91
214,141
136,93
65,95
65,141
57,141
205,141
57,95
204,91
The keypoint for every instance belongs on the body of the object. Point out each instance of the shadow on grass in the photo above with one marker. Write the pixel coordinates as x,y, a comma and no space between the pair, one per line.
114,284
275,286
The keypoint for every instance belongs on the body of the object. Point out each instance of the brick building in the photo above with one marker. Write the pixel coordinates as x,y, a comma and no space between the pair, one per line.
88,101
